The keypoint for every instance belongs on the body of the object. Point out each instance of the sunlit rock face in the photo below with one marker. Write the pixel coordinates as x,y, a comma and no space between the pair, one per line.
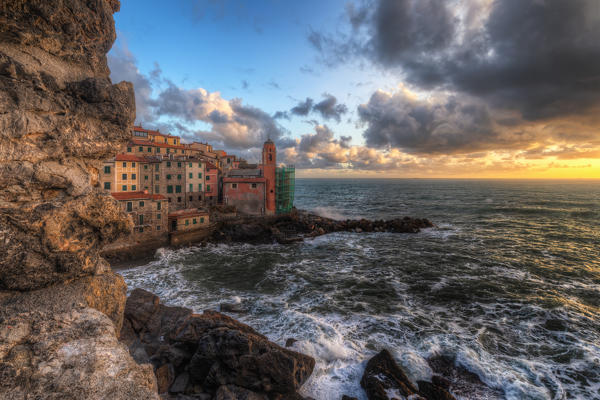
60,115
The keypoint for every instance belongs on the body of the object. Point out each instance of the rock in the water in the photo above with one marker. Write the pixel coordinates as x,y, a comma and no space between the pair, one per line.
383,376
69,355
290,342
213,350
231,392
60,115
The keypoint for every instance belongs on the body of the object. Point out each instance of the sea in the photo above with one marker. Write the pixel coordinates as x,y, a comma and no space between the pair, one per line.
507,284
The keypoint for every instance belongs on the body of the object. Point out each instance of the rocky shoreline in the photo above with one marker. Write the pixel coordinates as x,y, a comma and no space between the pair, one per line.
284,229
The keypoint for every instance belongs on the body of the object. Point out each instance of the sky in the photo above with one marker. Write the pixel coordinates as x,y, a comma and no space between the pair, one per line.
373,88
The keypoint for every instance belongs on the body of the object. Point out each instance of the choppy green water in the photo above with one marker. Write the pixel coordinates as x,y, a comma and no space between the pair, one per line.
508,282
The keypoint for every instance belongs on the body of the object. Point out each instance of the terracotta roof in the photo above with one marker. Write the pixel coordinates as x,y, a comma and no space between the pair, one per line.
155,133
129,157
210,165
137,196
149,143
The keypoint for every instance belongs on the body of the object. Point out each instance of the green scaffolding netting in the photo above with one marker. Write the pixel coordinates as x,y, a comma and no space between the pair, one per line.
285,185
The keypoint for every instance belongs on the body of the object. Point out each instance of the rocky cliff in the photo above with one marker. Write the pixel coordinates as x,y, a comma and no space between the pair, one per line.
61,307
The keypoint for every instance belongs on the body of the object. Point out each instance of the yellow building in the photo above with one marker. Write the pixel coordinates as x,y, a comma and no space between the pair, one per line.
186,220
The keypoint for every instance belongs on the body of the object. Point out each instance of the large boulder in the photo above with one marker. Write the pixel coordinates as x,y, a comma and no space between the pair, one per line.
60,116
69,355
383,379
209,353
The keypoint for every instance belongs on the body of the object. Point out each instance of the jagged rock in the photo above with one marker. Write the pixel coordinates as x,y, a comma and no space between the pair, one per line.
383,376
59,117
213,349
290,342
231,392
106,293
432,392
69,355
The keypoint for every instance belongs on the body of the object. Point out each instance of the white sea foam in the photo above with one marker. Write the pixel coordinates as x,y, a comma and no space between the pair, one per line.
333,213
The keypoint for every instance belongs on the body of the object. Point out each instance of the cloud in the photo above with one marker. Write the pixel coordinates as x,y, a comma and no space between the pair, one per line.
303,108
539,58
162,103
328,108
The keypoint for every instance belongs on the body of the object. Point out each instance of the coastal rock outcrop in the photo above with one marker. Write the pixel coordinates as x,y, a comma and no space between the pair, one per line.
60,115
209,354
298,225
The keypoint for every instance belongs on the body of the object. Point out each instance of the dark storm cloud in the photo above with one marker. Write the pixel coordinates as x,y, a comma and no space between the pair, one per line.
540,58
330,109
445,127
303,108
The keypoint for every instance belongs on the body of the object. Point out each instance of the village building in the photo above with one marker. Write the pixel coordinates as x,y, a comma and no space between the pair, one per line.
148,211
245,189
186,220
211,184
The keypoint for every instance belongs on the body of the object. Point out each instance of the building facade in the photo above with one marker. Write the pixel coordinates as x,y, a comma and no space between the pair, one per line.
149,213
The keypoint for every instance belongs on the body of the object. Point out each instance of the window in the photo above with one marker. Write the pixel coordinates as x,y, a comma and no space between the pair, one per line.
190,166
169,164
234,185
208,188
194,221
191,175
141,229
159,205
107,185
187,222
178,165
149,149
129,149
178,189
179,199
157,150
156,189
199,165
182,151
254,186
170,189
107,169
158,227
145,177
191,198
133,164
133,176
168,150
199,187
191,187
199,175
199,198
168,176
201,220
175,151
133,187
156,167
141,220
169,199
140,148
124,188
145,166
124,177
141,204
124,165
270,157
157,177
129,206
208,177
179,176
158,216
